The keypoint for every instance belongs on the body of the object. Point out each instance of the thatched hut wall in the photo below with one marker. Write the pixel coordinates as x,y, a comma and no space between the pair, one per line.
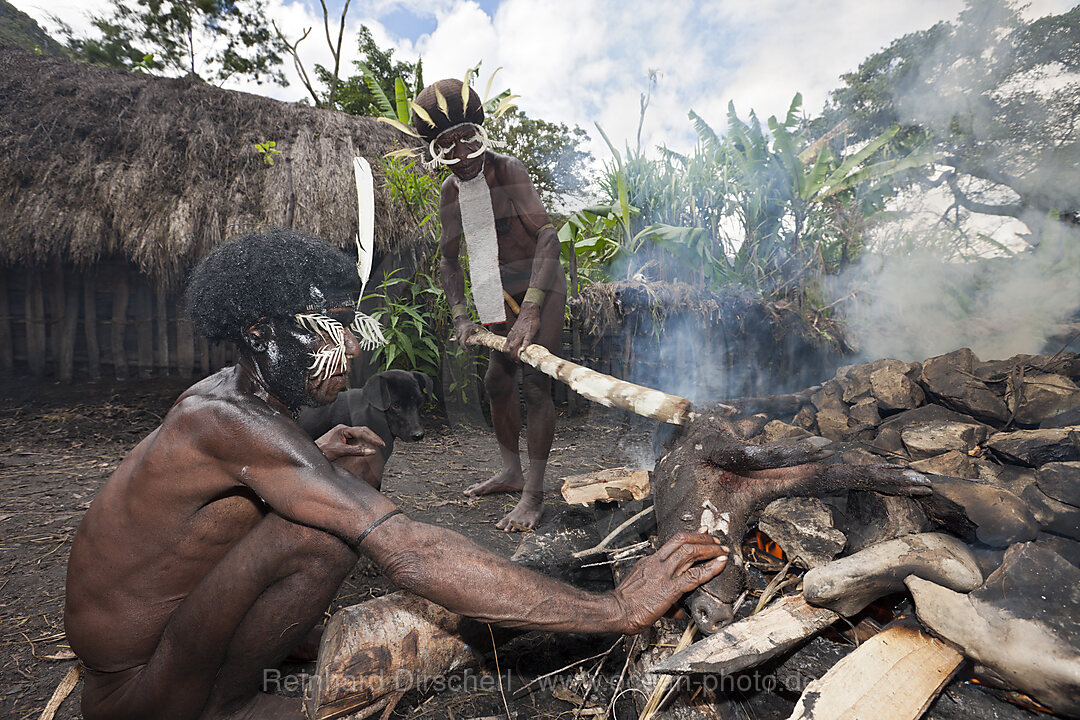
114,184
701,345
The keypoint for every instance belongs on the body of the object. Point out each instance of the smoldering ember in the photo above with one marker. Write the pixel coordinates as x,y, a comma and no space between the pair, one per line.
753,348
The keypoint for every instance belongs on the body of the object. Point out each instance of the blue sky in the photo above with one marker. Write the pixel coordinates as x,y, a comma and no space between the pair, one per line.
586,61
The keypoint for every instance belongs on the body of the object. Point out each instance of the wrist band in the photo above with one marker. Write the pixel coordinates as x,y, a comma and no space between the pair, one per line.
534,295
376,524
459,310
545,227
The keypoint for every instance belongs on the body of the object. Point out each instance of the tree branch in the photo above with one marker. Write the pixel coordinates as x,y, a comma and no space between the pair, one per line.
297,63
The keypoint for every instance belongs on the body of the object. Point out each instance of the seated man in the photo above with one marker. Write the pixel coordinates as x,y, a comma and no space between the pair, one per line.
218,543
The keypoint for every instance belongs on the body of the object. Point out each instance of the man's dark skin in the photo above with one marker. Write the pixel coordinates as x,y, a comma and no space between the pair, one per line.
528,257
216,546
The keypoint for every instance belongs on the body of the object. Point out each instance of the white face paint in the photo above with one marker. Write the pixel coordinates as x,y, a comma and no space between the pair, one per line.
439,152
331,359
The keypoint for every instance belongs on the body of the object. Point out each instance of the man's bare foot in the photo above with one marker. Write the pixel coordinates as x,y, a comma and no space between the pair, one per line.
308,649
505,481
525,516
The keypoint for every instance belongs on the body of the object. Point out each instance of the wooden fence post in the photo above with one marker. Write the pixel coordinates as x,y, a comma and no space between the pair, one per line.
68,328
144,326
55,299
90,327
161,346
119,325
35,324
7,352
185,346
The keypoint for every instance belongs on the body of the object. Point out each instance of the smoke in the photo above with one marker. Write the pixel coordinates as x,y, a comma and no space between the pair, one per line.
916,306
1011,119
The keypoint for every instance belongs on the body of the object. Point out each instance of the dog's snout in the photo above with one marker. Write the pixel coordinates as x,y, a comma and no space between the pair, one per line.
417,436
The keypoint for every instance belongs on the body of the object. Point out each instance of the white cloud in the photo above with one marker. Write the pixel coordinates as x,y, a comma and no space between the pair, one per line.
586,61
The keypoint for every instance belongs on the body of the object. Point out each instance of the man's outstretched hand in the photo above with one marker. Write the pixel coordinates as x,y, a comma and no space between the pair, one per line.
656,582
463,328
344,441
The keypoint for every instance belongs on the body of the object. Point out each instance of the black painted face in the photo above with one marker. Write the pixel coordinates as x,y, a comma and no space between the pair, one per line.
288,362
285,368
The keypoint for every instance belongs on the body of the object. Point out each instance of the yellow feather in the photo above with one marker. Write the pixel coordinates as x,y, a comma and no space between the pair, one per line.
441,100
400,126
465,90
487,90
403,152
421,113
506,104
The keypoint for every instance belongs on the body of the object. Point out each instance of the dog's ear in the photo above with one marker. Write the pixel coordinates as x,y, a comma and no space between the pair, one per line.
377,392
425,383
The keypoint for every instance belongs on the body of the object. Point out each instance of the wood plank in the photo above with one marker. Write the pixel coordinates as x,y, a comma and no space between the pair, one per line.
90,326
7,352
606,485
144,326
161,330
35,324
54,297
118,330
751,641
203,351
217,356
69,327
185,346
894,675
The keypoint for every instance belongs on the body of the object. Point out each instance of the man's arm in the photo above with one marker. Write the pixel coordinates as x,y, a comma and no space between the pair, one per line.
546,267
451,276
273,456
454,572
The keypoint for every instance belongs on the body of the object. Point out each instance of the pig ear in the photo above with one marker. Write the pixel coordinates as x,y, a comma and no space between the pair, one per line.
424,381
377,393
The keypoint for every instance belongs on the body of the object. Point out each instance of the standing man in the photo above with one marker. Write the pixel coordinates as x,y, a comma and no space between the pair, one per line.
214,549
513,254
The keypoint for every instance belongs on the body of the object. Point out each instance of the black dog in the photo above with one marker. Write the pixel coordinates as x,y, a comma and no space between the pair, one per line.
389,404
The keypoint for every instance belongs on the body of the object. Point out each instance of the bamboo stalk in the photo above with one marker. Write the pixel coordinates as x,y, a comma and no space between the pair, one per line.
596,386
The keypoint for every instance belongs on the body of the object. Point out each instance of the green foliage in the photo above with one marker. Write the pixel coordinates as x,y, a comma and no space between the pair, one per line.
268,151
407,325
770,210
379,78
206,39
552,153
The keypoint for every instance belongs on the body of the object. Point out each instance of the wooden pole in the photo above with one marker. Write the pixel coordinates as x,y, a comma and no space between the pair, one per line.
119,325
68,328
7,353
203,351
161,330
56,312
35,324
598,387
144,326
185,346
90,327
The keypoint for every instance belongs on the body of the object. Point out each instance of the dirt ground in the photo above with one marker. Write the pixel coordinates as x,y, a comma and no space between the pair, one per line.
58,444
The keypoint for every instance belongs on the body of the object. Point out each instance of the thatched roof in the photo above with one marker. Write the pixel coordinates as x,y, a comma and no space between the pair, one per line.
100,162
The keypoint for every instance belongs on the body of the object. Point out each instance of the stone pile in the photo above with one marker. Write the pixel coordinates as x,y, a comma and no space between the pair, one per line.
1001,440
